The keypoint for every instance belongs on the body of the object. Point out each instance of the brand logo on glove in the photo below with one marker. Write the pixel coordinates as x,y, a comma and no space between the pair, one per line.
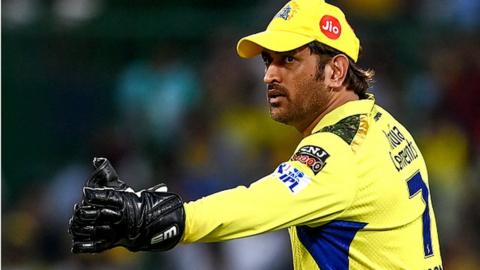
292,177
312,156
165,235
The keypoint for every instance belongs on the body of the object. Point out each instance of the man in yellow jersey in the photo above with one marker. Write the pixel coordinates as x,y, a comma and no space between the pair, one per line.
354,194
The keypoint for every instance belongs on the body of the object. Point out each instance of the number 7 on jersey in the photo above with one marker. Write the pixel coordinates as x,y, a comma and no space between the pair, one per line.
415,186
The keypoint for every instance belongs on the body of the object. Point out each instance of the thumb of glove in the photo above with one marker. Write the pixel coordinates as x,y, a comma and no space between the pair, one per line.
158,188
105,176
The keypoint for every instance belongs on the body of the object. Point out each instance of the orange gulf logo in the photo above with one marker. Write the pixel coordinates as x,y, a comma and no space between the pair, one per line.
330,27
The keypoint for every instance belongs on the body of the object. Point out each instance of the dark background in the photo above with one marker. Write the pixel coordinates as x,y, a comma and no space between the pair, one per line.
157,87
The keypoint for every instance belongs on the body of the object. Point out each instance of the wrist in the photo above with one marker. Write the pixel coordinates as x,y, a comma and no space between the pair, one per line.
160,222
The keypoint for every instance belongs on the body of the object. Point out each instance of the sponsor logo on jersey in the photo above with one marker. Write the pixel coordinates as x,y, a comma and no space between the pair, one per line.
313,156
165,235
293,178
330,27
403,151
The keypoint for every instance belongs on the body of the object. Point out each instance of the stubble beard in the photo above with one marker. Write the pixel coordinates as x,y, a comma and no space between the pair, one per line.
287,114
303,112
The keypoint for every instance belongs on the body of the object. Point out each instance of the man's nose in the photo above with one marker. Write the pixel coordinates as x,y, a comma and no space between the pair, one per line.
272,74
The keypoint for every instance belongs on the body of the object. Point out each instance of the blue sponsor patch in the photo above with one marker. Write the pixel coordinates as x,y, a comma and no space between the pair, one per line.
293,178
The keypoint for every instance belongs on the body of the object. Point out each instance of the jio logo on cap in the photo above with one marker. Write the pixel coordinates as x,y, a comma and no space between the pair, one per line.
330,27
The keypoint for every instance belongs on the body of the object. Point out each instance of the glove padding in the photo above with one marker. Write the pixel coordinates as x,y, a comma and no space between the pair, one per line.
149,220
104,176
111,214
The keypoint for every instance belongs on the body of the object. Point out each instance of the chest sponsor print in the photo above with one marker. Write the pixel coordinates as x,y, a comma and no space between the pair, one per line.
314,157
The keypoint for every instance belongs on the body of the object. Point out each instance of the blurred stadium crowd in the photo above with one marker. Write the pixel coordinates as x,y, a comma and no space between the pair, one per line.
158,89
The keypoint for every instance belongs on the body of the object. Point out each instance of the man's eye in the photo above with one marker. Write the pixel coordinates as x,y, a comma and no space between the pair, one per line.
289,59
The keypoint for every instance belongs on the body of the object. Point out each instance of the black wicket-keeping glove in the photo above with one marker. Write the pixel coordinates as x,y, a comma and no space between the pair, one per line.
105,176
117,216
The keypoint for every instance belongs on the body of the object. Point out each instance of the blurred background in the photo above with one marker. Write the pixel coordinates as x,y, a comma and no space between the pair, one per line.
157,88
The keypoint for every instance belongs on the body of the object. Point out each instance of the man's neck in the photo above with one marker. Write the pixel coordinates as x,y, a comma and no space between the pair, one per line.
334,103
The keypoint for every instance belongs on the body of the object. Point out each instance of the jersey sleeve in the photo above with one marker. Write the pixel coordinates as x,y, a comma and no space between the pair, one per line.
312,188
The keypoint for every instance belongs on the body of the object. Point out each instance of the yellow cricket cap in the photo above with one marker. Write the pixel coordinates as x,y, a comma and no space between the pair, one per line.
300,22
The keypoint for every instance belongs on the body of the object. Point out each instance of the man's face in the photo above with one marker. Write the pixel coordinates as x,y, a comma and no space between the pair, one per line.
296,94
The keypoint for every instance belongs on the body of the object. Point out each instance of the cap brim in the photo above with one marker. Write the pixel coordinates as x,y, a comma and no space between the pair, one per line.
278,41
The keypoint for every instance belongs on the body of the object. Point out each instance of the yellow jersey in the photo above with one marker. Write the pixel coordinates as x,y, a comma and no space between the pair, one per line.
354,195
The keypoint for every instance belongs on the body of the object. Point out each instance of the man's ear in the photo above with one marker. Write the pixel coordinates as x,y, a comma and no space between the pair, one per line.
339,67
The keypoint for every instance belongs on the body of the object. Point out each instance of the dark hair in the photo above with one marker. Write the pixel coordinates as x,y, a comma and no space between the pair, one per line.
358,79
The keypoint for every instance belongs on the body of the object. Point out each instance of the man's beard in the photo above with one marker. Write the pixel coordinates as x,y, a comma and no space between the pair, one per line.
303,113
293,114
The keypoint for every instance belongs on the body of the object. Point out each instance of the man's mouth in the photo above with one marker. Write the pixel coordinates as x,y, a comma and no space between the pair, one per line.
275,100
275,95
